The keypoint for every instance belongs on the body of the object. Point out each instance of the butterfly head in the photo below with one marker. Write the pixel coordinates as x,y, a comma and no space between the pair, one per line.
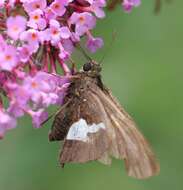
92,67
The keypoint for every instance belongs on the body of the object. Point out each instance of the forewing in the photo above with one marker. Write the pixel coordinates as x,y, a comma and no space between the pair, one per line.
128,143
61,122
87,138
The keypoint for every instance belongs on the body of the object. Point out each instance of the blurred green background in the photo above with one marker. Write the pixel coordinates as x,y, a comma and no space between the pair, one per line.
144,69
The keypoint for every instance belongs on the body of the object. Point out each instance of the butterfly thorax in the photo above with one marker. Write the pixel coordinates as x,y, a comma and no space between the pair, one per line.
85,79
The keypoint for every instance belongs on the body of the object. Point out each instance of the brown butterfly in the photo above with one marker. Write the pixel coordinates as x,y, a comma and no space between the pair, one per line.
94,126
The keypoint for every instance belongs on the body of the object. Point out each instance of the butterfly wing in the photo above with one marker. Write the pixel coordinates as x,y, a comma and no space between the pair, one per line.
128,143
87,138
61,122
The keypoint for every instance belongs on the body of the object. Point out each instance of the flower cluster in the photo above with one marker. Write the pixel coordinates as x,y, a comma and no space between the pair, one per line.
37,38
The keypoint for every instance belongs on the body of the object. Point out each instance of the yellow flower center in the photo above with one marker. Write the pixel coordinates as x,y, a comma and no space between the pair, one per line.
56,6
37,6
15,28
36,17
34,85
81,19
55,32
8,57
34,36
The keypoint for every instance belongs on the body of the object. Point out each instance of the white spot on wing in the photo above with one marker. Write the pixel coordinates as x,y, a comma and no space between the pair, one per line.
80,129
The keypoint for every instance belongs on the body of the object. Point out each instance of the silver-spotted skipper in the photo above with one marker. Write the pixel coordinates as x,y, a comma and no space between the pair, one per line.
94,126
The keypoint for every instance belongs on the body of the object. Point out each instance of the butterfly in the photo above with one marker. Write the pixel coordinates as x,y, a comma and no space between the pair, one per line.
94,126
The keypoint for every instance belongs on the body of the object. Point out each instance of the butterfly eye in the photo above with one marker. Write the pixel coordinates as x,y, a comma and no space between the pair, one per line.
87,66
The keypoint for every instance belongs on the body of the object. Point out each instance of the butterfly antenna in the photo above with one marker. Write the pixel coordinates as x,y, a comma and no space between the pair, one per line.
114,34
84,52
45,121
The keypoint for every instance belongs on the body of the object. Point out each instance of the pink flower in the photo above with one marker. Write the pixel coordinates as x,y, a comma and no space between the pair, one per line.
19,95
56,32
12,3
36,86
38,117
49,99
6,123
97,8
49,14
65,32
83,22
31,36
19,100
68,45
58,7
93,44
2,43
32,5
129,4
2,3
25,52
42,88
15,109
44,36
75,37
36,21
63,55
15,26
8,58
62,91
